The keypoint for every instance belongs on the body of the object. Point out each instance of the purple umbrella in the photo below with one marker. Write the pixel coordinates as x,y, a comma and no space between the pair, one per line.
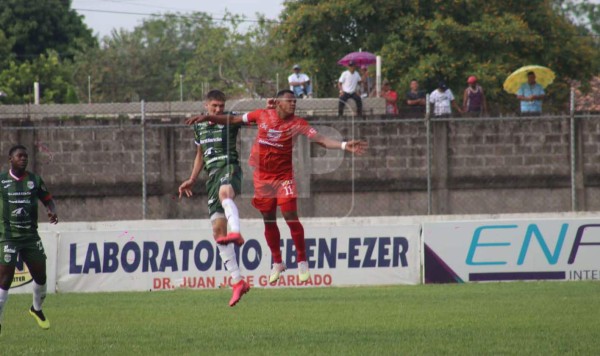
359,58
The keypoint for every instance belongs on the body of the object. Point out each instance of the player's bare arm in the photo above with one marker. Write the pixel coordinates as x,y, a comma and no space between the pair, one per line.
217,119
51,209
354,146
186,187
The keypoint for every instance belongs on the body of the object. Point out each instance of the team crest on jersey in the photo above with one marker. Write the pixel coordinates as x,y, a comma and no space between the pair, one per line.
30,185
7,258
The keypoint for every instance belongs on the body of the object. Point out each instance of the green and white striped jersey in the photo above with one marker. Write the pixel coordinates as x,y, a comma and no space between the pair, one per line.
218,143
19,205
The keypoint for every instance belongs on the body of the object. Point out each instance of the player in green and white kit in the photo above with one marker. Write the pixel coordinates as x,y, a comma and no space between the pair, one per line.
217,154
20,191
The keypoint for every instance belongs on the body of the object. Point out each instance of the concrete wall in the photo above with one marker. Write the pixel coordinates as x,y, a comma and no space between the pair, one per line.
94,167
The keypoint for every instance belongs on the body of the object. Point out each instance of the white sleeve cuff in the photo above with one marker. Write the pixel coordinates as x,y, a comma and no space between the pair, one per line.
245,118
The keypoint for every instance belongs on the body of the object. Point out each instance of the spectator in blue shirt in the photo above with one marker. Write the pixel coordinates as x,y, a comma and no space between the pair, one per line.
531,95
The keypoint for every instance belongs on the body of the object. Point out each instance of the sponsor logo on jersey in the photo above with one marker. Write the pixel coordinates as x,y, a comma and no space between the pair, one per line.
19,193
20,212
6,186
10,249
274,134
21,201
6,181
30,185
211,140
269,143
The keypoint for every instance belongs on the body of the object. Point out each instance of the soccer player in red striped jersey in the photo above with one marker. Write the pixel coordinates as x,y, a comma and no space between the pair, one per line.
274,183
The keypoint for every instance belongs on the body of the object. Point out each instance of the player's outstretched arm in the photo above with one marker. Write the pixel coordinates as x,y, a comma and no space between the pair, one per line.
354,146
217,119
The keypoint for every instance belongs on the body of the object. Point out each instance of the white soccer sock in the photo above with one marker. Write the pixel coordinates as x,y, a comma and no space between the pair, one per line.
39,294
227,253
232,214
3,299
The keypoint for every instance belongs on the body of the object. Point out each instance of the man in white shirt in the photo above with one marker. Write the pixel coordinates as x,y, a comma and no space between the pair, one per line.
300,83
443,100
349,88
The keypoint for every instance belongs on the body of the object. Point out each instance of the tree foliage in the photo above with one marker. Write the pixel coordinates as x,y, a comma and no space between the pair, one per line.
34,27
440,40
149,62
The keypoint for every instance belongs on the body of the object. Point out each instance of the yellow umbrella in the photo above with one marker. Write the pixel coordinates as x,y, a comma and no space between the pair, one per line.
543,76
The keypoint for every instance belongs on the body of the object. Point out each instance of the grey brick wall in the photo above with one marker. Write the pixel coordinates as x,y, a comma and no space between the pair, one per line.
94,166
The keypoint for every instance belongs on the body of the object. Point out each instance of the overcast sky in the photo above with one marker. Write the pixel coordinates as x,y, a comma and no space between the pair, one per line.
104,15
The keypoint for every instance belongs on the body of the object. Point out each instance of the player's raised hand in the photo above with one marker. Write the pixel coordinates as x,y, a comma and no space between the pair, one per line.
196,119
186,188
271,103
357,146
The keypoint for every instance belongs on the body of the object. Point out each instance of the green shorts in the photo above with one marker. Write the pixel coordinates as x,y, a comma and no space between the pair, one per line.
30,249
229,174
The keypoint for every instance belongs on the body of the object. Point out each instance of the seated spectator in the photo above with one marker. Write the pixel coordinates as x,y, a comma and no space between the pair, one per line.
300,83
531,95
443,101
415,99
366,80
474,103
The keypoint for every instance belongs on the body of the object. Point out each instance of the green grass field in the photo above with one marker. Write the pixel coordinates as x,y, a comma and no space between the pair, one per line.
492,318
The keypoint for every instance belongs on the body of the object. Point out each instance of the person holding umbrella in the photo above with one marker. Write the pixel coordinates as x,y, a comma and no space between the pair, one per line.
531,95
349,89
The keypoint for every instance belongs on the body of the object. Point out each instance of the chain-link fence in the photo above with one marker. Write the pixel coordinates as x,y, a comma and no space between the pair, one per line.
126,161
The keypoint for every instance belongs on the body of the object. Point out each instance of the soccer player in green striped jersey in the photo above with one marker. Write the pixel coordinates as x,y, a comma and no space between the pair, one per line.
20,191
217,154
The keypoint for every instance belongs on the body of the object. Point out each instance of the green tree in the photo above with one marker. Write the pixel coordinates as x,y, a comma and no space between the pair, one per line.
52,75
441,40
37,26
149,62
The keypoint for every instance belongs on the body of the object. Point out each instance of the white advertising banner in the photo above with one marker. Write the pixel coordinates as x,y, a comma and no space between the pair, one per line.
22,282
137,260
509,250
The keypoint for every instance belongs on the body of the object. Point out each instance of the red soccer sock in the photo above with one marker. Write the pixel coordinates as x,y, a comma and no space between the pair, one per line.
297,232
273,237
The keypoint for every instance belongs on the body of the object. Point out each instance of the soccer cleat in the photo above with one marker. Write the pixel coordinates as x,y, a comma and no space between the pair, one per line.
38,315
276,271
239,289
234,237
303,272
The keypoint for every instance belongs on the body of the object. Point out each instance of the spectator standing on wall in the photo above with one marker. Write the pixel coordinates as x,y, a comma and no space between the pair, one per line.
474,103
300,83
531,95
442,100
416,99
349,88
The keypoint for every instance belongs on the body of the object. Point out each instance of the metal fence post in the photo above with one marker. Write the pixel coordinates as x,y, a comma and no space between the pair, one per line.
428,134
573,149
144,191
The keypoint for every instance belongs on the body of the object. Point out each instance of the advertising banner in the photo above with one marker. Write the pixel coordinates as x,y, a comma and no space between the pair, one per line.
22,281
137,260
511,250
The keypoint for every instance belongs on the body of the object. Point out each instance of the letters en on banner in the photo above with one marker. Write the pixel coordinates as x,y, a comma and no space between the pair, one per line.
170,259
496,250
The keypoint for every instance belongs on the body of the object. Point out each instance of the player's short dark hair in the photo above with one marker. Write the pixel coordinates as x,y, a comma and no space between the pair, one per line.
283,92
530,73
216,95
16,147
